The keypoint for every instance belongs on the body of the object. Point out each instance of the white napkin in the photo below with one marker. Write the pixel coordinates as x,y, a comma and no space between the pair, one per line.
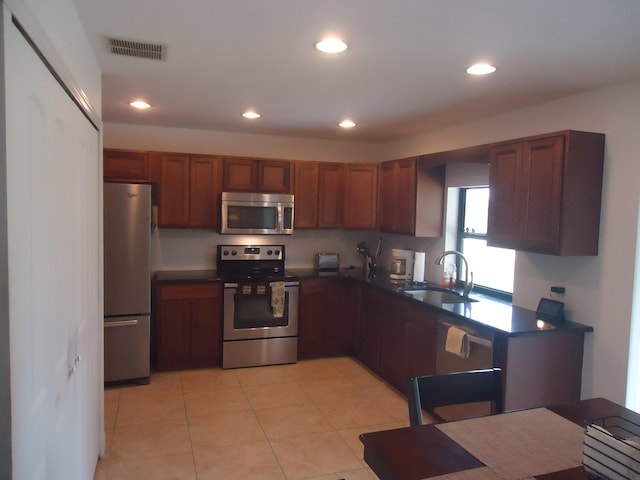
457,342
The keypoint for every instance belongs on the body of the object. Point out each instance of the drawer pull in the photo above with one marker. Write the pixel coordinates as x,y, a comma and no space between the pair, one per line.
121,323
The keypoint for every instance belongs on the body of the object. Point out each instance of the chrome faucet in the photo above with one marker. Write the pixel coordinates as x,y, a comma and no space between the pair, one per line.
468,285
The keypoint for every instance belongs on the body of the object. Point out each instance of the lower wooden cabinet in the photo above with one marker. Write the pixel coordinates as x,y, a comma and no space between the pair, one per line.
188,330
408,342
326,318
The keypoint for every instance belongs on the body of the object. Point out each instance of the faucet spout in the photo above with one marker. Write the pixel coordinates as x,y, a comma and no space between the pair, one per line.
468,284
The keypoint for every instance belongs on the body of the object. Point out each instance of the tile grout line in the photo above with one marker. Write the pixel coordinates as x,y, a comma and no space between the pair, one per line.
186,415
284,475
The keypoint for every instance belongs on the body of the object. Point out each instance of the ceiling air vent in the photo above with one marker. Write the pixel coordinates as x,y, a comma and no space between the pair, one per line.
131,48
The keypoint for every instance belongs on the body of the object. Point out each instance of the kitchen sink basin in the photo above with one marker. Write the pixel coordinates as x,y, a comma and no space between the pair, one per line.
433,294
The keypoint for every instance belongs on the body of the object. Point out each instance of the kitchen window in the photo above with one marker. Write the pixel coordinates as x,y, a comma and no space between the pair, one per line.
492,267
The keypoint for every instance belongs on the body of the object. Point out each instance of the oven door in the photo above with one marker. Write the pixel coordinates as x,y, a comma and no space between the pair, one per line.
250,314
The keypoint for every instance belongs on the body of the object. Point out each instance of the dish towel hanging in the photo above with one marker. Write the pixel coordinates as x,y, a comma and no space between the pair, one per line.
457,342
277,299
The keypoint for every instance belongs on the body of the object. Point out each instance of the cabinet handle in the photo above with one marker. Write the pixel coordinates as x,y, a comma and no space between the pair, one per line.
121,323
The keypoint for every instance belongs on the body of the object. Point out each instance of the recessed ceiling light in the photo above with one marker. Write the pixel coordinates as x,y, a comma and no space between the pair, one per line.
481,69
252,115
347,124
140,104
331,45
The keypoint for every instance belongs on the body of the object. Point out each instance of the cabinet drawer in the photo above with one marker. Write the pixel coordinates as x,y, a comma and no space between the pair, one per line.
313,287
190,291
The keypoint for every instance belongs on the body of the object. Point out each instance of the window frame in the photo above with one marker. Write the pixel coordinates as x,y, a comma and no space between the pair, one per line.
461,234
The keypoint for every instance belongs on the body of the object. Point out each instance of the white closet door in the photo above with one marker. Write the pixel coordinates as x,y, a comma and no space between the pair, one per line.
54,272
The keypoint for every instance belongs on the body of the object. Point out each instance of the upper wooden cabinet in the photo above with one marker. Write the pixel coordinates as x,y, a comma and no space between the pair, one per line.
397,200
188,191
318,194
305,190
360,196
546,193
126,165
411,198
330,194
256,175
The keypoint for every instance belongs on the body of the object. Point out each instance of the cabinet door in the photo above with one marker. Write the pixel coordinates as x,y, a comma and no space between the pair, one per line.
125,165
330,195
312,313
305,189
421,345
541,188
405,200
394,359
239,174
173,333
505,172
388,195
274,176
526,187
206,331
204,189
174,190
360,203
370,329
338,321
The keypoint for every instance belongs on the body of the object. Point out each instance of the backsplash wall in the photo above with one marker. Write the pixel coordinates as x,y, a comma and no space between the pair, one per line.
191,249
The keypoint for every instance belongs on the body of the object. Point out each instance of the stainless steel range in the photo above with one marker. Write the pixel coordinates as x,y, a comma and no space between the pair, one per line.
260,306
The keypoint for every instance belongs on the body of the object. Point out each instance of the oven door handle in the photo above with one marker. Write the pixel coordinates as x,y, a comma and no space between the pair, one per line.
484,342
286,284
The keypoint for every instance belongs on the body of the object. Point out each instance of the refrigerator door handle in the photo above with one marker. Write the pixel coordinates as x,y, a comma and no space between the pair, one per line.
122,323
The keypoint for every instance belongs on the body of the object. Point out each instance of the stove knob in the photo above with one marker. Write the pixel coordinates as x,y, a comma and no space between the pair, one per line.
269,252
277,252
225,253
234,253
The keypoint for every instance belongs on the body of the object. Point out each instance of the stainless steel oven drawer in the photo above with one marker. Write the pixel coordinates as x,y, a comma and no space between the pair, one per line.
259,351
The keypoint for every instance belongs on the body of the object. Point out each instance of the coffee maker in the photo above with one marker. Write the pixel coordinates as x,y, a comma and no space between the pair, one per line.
401,265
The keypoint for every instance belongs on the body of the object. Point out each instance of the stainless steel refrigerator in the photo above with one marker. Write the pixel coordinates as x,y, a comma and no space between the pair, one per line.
127,281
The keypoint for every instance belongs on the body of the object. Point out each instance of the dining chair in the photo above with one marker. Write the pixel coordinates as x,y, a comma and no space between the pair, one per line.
432,391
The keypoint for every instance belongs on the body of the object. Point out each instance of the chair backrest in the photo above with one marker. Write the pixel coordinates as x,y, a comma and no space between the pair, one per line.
453,389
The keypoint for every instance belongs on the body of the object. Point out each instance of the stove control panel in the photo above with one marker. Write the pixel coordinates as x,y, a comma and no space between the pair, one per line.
251,252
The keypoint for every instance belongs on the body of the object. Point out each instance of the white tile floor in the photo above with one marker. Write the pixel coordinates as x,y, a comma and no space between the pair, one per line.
293,422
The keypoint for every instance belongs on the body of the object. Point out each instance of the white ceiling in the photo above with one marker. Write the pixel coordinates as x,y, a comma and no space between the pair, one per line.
403,74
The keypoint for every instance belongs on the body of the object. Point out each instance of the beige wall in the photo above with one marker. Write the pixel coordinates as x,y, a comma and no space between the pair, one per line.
227,143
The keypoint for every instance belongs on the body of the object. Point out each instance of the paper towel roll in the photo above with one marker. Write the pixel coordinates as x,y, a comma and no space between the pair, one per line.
418,267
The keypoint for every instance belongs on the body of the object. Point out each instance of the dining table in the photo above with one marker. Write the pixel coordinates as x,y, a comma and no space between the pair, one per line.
543,443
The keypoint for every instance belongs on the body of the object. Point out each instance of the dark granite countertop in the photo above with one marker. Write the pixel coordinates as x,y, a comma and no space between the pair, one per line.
178,276
486,311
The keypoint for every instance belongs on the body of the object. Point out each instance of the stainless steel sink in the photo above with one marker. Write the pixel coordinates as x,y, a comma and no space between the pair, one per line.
433,294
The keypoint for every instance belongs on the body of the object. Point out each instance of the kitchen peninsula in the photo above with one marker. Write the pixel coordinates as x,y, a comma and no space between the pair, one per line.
350,313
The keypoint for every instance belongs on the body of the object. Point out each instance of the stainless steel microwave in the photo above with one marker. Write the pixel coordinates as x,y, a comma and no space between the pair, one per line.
256,213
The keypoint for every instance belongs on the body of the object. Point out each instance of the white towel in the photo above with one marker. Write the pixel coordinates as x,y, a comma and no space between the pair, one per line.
457,342
277,299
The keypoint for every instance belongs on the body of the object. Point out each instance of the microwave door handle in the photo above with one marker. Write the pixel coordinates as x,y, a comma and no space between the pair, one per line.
280,223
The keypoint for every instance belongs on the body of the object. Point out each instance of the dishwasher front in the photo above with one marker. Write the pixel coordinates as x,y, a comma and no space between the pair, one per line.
480,357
